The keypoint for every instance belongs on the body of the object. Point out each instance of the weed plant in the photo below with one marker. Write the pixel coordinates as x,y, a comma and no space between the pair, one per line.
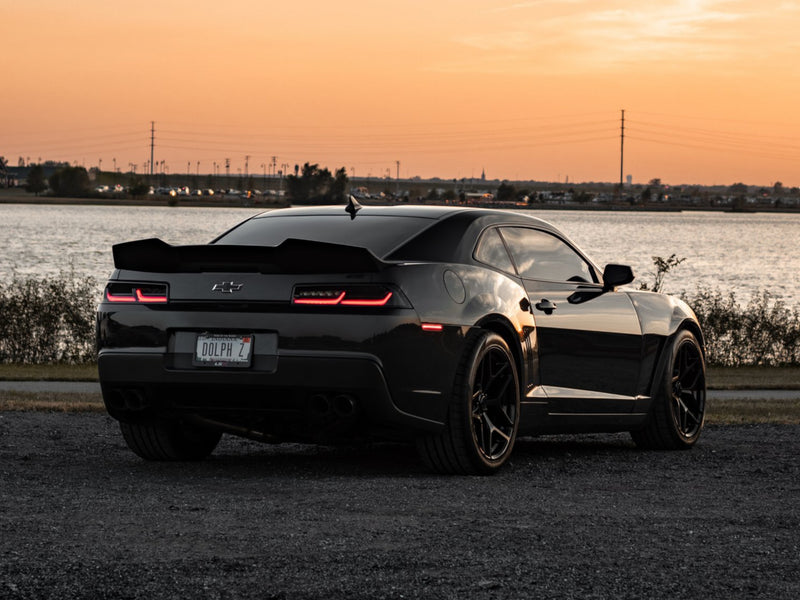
764,332
47,320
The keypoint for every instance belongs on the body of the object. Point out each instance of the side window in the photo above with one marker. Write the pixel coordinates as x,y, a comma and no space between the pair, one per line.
492,251
540,255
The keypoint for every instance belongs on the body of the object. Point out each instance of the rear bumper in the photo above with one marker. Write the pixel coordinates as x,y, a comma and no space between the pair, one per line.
290,391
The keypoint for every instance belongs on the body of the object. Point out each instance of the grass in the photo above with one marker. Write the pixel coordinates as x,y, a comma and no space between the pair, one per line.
753,378
749,412
11,372
719,378
51,402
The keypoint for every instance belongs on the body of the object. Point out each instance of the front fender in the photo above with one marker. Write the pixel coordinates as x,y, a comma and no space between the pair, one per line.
663,315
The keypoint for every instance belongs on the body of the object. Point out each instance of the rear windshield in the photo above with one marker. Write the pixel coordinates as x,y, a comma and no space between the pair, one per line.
379,234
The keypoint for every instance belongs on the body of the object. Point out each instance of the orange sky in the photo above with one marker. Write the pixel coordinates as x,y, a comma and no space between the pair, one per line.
522,89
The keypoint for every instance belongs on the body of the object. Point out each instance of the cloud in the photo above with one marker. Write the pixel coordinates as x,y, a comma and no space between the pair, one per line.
577,35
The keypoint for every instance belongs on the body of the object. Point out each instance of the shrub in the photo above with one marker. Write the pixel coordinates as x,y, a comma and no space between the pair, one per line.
765,332
49,320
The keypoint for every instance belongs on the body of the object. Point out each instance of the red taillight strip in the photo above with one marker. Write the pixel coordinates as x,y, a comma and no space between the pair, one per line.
432,327
376,302
152,299
320,301
112,298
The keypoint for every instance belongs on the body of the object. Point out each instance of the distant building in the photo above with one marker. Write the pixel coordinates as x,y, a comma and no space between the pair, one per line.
629,180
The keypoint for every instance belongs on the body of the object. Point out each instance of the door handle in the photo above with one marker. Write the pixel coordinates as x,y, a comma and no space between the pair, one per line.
546,306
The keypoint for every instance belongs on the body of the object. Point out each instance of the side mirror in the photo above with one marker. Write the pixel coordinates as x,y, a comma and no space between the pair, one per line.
615,275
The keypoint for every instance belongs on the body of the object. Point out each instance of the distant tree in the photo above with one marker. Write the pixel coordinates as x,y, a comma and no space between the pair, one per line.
738,188
339,187
449,195
139,188
655,182
647,194
433,195
506,193
3,171
317,186
72,182
777,189
36,181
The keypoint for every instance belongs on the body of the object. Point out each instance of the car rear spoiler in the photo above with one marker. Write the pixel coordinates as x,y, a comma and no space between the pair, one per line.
292,256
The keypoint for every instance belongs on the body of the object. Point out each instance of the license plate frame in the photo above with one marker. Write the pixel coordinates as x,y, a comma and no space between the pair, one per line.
224,350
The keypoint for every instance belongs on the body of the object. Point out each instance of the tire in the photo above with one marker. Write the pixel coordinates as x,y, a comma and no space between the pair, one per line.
483,416
169,440
679,401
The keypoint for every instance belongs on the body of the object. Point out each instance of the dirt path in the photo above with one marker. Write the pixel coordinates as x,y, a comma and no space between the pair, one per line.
579,517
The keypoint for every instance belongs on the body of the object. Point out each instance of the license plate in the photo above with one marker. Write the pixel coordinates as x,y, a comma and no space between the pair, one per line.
223,350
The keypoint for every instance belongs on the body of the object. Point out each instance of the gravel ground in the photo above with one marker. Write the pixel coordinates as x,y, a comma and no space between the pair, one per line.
576,517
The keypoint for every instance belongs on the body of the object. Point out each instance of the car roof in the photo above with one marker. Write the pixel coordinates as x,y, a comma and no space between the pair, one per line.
422,232
410,210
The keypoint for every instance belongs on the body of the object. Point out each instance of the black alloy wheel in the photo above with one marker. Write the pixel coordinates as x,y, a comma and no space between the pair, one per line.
688,390
484,412
679,401
494,404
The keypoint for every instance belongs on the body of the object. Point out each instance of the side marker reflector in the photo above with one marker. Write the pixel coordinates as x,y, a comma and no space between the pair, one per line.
432,327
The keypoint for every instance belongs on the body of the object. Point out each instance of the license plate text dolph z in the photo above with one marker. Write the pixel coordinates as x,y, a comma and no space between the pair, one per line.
222,350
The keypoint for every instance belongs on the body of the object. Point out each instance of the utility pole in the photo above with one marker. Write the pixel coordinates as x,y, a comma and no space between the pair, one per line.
152,144
621,150
397,180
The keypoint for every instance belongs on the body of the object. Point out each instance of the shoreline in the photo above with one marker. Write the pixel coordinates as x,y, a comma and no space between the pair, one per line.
222,202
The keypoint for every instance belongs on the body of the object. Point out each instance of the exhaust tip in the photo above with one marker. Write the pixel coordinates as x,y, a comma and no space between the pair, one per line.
131,400
319,405
345,405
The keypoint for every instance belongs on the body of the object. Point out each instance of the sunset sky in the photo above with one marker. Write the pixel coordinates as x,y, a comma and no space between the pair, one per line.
522,89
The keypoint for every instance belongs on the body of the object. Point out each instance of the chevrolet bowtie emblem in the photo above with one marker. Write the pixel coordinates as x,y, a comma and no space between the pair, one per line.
227,287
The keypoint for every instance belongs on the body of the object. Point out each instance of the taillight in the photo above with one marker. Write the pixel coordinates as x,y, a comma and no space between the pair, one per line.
131,293
347,295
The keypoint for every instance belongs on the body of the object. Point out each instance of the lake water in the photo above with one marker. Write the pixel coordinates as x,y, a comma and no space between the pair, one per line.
742,253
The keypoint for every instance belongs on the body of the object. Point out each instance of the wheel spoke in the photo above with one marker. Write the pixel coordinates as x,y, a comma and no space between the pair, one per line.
696,410
481,430
496,375
698,373
509,420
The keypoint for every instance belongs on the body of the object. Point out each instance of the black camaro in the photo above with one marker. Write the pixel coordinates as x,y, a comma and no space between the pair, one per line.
457,328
